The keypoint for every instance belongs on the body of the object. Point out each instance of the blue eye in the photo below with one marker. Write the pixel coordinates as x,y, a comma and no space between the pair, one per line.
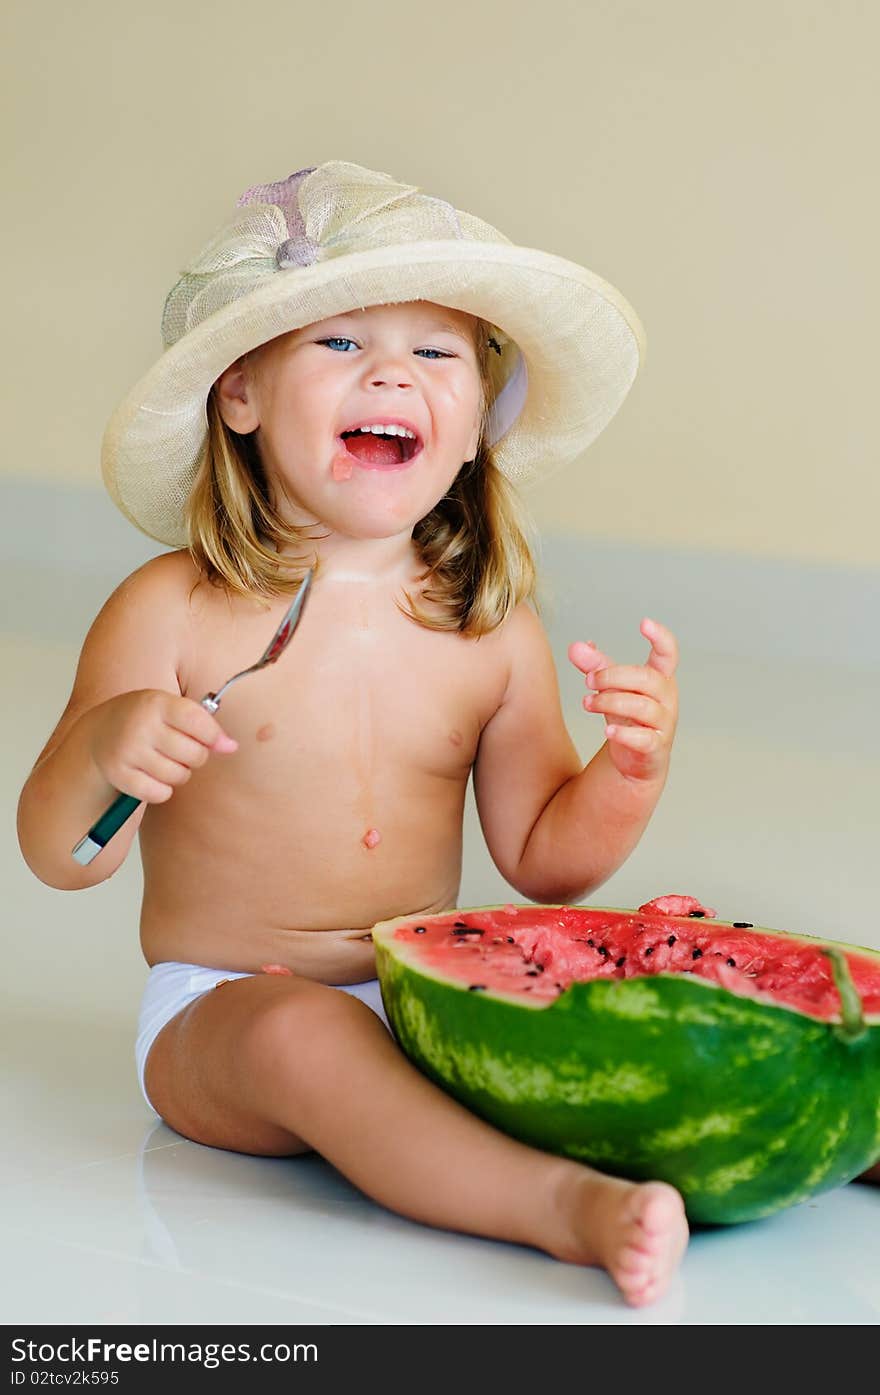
343,339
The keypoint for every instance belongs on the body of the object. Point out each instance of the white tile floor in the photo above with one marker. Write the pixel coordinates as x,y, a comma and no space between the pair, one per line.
108,1216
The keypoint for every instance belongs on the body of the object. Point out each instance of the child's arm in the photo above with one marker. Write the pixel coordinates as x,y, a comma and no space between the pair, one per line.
557,831
126,684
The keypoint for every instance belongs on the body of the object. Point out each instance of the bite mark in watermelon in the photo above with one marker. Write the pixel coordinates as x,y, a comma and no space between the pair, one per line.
739,1063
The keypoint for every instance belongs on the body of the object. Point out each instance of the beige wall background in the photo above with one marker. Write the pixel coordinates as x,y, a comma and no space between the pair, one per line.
716,162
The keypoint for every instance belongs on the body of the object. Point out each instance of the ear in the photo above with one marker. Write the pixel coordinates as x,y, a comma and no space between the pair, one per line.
236,398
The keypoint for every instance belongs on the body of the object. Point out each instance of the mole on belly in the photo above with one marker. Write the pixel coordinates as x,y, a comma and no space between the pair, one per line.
371,838
266,732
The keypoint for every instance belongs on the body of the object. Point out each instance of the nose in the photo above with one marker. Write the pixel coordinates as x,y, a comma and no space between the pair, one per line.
390,369
397,379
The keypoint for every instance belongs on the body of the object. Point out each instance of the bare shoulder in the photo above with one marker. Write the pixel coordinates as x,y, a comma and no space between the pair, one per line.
522,662
523,644
150,610
523,625
137,639
170,575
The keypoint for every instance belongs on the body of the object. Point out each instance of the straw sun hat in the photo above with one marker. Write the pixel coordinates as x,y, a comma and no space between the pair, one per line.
338,237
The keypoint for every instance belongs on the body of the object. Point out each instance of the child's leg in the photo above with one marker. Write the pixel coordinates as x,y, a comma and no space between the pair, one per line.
276,1065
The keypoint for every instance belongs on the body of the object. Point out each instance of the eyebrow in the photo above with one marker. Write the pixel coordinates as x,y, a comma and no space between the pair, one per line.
454,329
444,325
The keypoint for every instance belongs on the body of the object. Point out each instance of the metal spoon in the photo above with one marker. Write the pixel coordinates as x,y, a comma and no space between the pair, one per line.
115,815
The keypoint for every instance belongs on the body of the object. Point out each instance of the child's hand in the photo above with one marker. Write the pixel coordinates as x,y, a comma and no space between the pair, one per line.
642,702
149,741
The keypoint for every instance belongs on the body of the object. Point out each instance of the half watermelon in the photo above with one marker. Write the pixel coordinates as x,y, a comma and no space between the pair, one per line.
738,1063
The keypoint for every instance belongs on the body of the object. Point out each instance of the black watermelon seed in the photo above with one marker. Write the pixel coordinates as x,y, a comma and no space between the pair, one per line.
532,973
603,950
468,930
591,943
743,925
621,961
732,963
510,939
462,922
671,940
697,954
419,930
475,987
696,915
649,950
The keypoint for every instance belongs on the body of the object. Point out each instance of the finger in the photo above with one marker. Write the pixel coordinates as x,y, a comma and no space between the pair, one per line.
165,770
618,706
585,656
636,738
185,750
196,722
632,678
664,647
144,786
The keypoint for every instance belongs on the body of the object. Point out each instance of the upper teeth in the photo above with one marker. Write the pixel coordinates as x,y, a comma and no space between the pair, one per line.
390,430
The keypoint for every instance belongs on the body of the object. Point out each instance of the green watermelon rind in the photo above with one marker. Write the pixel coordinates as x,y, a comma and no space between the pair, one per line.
747,1106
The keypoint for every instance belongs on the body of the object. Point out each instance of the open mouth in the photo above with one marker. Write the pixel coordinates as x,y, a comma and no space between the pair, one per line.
378,452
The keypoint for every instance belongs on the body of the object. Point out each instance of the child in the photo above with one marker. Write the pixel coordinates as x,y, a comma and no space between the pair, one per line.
330,795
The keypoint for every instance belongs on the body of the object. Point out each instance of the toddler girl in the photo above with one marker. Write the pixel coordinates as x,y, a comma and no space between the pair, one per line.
356,377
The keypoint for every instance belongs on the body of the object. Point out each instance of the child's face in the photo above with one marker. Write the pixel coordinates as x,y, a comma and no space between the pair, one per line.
416,361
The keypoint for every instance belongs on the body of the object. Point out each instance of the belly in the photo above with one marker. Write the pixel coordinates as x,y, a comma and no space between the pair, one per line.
237,879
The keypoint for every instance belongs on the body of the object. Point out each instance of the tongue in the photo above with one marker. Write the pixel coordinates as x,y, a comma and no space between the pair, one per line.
374,450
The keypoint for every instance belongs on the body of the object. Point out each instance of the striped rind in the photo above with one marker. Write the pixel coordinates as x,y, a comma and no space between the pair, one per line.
745,1105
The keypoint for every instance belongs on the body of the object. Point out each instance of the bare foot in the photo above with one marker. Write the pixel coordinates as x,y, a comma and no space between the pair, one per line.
635,1230
651,1236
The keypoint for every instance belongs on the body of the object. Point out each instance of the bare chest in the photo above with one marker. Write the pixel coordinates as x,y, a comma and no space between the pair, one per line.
343,803
360,689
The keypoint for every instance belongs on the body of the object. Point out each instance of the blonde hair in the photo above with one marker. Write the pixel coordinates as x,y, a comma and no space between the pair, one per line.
474,542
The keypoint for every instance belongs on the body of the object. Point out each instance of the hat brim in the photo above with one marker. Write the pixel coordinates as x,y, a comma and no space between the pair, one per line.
581,340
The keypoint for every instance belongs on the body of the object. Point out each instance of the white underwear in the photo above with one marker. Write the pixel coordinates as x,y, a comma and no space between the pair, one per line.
172,987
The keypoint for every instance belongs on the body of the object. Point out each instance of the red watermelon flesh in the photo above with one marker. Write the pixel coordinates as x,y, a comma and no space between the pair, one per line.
539,951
